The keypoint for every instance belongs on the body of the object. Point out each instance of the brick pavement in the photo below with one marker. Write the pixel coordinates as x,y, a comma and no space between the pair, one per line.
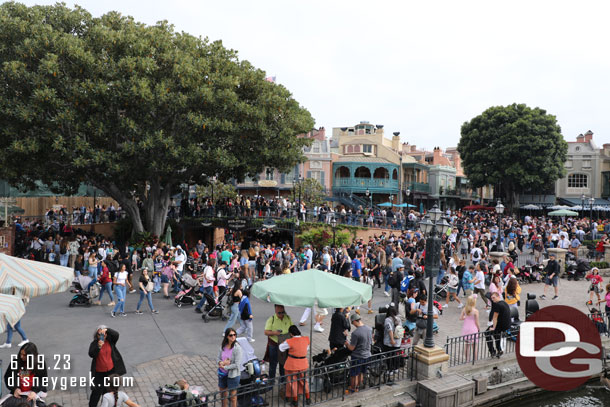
201,369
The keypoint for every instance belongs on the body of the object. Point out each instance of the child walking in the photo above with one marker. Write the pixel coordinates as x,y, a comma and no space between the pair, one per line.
596,281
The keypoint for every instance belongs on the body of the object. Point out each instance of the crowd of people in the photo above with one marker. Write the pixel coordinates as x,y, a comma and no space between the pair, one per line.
391,262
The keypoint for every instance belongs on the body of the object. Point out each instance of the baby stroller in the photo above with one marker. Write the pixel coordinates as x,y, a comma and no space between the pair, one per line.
251,381
330,369
598,319
83,297
441,290
188,291
216,310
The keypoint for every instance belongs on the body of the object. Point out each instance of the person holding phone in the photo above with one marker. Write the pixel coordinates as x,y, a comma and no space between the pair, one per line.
25,377
105,360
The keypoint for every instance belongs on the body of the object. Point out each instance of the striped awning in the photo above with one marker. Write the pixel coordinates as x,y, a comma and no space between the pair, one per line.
11,310
28,278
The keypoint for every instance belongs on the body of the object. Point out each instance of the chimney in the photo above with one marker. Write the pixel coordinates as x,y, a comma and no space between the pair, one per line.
436,156
606,148
580,138
396,141
413,148
588,136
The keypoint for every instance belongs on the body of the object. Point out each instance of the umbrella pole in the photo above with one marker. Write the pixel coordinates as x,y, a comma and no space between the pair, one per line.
311,318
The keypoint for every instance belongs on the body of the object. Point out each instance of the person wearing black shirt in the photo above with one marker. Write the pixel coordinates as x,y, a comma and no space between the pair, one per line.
374,268
339,327
500,317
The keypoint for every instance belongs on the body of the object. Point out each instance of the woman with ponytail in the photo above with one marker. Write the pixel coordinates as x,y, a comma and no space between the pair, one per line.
114,397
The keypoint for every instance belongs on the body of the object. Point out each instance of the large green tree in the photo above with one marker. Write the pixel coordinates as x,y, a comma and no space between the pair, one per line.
134,110
514,147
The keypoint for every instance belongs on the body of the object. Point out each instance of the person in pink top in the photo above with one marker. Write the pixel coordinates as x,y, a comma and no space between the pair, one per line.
470,316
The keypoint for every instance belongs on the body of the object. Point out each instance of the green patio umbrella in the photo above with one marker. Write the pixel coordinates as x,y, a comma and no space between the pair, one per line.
168,236
563,212
310,287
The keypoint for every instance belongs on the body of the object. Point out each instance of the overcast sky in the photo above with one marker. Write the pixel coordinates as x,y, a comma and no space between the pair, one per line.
422,68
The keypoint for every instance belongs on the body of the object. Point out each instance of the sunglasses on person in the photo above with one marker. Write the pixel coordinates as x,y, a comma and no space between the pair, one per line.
281,312
230,335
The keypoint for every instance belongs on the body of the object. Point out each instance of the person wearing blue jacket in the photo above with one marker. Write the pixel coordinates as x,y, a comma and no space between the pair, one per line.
245,319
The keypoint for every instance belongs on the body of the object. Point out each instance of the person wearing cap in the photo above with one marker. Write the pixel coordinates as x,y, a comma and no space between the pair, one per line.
596,280
552,276
360,345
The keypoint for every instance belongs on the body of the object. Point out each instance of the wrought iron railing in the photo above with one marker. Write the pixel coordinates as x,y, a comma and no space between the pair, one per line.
323,383
468,349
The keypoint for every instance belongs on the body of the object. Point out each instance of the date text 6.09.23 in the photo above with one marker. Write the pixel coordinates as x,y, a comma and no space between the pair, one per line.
32,362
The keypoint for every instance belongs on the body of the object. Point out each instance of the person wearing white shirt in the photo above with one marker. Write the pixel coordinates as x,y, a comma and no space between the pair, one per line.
479,285
563,242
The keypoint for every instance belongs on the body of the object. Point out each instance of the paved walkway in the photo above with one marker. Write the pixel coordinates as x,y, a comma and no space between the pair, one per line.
178,344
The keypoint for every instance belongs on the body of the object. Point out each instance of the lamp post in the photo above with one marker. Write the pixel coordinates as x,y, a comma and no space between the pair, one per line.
368,193
582,204
434,227
591,202
213,180
499,211
392,200
333,224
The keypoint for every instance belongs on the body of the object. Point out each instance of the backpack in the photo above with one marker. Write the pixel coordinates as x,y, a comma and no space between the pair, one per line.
399,332
404,284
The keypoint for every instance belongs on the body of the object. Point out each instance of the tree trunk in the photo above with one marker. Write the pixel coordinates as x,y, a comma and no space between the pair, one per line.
156,205
127,204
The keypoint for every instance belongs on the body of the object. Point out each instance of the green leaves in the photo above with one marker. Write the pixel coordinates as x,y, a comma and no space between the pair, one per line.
517,147
116,103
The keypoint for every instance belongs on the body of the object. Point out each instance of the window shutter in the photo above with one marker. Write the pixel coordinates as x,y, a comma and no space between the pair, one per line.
308,174
322,177
283,178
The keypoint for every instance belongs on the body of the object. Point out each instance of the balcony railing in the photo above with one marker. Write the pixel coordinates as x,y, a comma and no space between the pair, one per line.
419,187
366,183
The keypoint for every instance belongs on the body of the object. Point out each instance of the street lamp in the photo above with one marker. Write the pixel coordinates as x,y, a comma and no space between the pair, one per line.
499,211
591,202
213,180
368,193
582,204
434,226
392,200
333,224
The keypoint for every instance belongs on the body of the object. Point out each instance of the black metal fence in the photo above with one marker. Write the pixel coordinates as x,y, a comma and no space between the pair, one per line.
315,386
468,349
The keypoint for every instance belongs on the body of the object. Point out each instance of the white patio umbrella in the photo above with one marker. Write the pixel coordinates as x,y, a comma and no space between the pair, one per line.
11,310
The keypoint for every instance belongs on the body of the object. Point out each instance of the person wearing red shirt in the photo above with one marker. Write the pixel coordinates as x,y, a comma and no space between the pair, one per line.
105,360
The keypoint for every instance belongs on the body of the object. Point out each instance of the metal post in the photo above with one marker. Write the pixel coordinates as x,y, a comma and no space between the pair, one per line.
433,250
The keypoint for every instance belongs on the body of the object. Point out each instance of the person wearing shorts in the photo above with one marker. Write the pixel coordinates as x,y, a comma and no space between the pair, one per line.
229,360
552,277
360,345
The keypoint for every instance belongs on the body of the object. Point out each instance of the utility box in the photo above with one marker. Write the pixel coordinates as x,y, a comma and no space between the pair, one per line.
449,391
480,384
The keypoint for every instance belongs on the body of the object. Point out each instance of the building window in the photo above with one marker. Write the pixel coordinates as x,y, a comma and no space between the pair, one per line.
269,174
586,164
317,175
350,149
578,181
367,148
577,149
315,164
357,148
568,164
316,147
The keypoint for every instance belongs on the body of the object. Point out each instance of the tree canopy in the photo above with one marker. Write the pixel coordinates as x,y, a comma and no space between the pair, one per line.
515,147
134,110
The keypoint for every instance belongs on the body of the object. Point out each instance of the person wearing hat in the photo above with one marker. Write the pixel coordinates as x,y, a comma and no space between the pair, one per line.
596,280
360,346
552,276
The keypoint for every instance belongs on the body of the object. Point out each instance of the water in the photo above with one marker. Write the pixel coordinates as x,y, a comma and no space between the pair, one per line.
592,395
